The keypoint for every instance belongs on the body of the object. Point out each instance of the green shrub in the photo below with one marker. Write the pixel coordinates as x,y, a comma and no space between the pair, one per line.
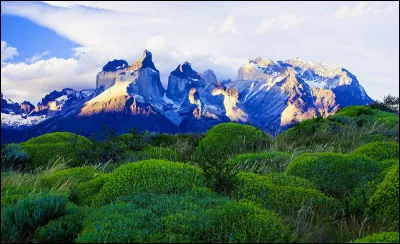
72,176
195,216
377,138
334,173
154,153
384,204
391,121
309,131
12,194
84,193
163,140
384,237
63,229
260,163
246,222
129,141
379,150
222,142
44,148
354,111
286,197
19,221
15,158
183,144
156,176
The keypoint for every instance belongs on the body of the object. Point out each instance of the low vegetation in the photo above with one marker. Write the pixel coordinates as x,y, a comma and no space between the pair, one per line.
333,179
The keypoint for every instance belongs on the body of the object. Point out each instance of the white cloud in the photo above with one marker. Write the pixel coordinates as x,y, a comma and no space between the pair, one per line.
24,81
228,26
36,57
7,52
211,29
359,51
157,43
362,9
284,21
106,30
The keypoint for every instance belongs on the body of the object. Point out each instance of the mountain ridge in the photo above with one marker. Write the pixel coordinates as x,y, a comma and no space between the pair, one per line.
268,94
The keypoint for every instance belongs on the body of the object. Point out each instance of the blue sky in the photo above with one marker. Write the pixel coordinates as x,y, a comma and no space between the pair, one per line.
31,38
53,45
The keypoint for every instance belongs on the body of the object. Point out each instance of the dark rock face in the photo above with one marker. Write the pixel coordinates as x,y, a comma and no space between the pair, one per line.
115,65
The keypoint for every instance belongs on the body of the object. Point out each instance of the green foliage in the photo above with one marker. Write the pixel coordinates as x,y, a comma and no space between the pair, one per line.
379,150
354,111
222,142
50,146
153,153
130,141
14,157
384,204
84,193
348,129
195,216
245,221
71,176
384,237
63,229
19,221
157,176
335,173
260,163
13,194
110,147
284,195
183,144
310,131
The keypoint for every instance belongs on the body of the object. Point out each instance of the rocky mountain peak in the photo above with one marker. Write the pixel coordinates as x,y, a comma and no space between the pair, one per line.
185,71
144,62
260,62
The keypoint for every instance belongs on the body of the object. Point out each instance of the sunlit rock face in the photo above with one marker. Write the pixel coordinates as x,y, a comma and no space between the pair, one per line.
270,95
27,107
57,101
131,96
275,94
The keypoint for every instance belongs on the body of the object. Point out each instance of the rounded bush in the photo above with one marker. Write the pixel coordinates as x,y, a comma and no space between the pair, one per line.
157,176
353,111
222,142
72,176
379,150
391,121
44,148
384,204
286,197
19,221
84,193
384,237
226,140
246,222
334,173
260,163
129,141
63,229
198,215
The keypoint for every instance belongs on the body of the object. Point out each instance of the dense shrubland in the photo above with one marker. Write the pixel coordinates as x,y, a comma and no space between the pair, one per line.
332,179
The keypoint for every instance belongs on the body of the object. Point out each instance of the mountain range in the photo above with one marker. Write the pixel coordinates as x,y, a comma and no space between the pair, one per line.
267,94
